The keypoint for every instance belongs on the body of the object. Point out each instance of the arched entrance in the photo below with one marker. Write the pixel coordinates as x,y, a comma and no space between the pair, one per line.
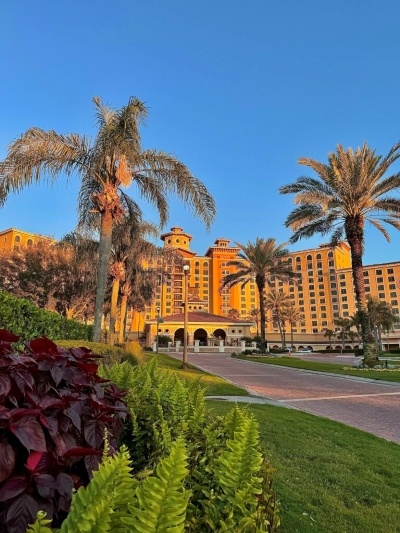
220,334
201,335
179,335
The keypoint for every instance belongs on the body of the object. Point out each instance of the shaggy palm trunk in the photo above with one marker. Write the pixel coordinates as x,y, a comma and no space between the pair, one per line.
260,287
104,259
355,238
124,307
113,310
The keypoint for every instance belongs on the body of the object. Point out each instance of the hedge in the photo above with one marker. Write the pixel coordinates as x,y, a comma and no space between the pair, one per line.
28,321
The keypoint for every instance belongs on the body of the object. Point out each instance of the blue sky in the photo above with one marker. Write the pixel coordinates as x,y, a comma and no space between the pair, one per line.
237,90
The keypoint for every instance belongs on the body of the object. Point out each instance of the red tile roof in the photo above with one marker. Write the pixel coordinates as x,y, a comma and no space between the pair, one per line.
204,317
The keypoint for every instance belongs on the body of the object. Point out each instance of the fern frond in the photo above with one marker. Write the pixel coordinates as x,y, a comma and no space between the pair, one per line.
111,488
161,499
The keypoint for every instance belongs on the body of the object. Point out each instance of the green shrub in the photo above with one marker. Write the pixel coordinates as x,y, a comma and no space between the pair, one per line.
229,478
28,321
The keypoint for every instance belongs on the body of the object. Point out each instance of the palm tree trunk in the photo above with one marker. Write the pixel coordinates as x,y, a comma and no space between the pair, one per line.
104,259
124,307
260,287
355,238
291,335
113,310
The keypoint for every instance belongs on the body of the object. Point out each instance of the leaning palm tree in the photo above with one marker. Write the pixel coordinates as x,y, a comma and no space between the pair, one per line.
348,191
278,303
260,262
115,159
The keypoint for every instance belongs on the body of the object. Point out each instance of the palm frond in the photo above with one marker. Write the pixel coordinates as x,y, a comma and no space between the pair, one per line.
176,178
40,154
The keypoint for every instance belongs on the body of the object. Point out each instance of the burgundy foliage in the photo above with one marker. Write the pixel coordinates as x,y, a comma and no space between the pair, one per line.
54,410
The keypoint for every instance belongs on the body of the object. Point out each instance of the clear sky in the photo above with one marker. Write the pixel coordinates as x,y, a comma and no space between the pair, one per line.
237,90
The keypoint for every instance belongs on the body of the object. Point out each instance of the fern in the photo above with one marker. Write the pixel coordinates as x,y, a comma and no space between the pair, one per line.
161,500
111,488
40,526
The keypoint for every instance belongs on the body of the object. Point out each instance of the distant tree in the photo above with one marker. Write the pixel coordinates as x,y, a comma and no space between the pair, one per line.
344,325
278,303
330,333
260,262
348,191
233,313
293,315
255,315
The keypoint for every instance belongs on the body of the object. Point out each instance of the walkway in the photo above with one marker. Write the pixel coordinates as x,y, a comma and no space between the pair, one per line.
368,405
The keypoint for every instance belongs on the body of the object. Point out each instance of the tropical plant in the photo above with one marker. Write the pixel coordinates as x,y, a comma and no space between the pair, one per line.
348,191
293,315
278,303
381,317
115,159
260,261
329,333
54,410
233,313
254,314
129,248
344,325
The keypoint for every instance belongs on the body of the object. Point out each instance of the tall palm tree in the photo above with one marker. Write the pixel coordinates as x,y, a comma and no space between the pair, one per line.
278,303
260,262
348,191
344,325
255,315
115,159
381,316
329,333
293,315
129,246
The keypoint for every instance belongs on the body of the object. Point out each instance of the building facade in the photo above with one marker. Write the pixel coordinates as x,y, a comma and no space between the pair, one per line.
324,294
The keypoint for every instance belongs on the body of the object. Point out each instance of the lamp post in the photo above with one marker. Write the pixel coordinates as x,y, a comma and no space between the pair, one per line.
158,326
186,269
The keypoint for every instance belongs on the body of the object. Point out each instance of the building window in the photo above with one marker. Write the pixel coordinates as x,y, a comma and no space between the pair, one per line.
379,280
390,271
394,302
379,272
381,295
381,287
343,291
17,238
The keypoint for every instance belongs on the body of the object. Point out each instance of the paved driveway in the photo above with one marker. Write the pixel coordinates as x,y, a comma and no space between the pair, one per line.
365,404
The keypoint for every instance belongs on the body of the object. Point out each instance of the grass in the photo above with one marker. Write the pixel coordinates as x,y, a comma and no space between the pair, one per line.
334,368
329,477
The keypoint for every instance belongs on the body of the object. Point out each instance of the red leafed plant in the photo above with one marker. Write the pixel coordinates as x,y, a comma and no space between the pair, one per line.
54,411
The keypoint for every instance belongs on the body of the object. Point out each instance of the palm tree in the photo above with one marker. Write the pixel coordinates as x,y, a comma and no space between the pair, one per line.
254,314
260,262
330,333
344,324
115,159
381,316
348,191
278,303
293,315
129,246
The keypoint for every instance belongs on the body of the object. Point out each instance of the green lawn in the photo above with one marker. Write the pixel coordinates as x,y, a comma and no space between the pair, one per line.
329,477
294,362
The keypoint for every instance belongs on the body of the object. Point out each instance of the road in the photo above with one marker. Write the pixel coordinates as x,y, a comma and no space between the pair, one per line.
368,405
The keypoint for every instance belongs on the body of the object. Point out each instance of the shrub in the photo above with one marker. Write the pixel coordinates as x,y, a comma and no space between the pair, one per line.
28,321
111,354
54,410
229,479
163,340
